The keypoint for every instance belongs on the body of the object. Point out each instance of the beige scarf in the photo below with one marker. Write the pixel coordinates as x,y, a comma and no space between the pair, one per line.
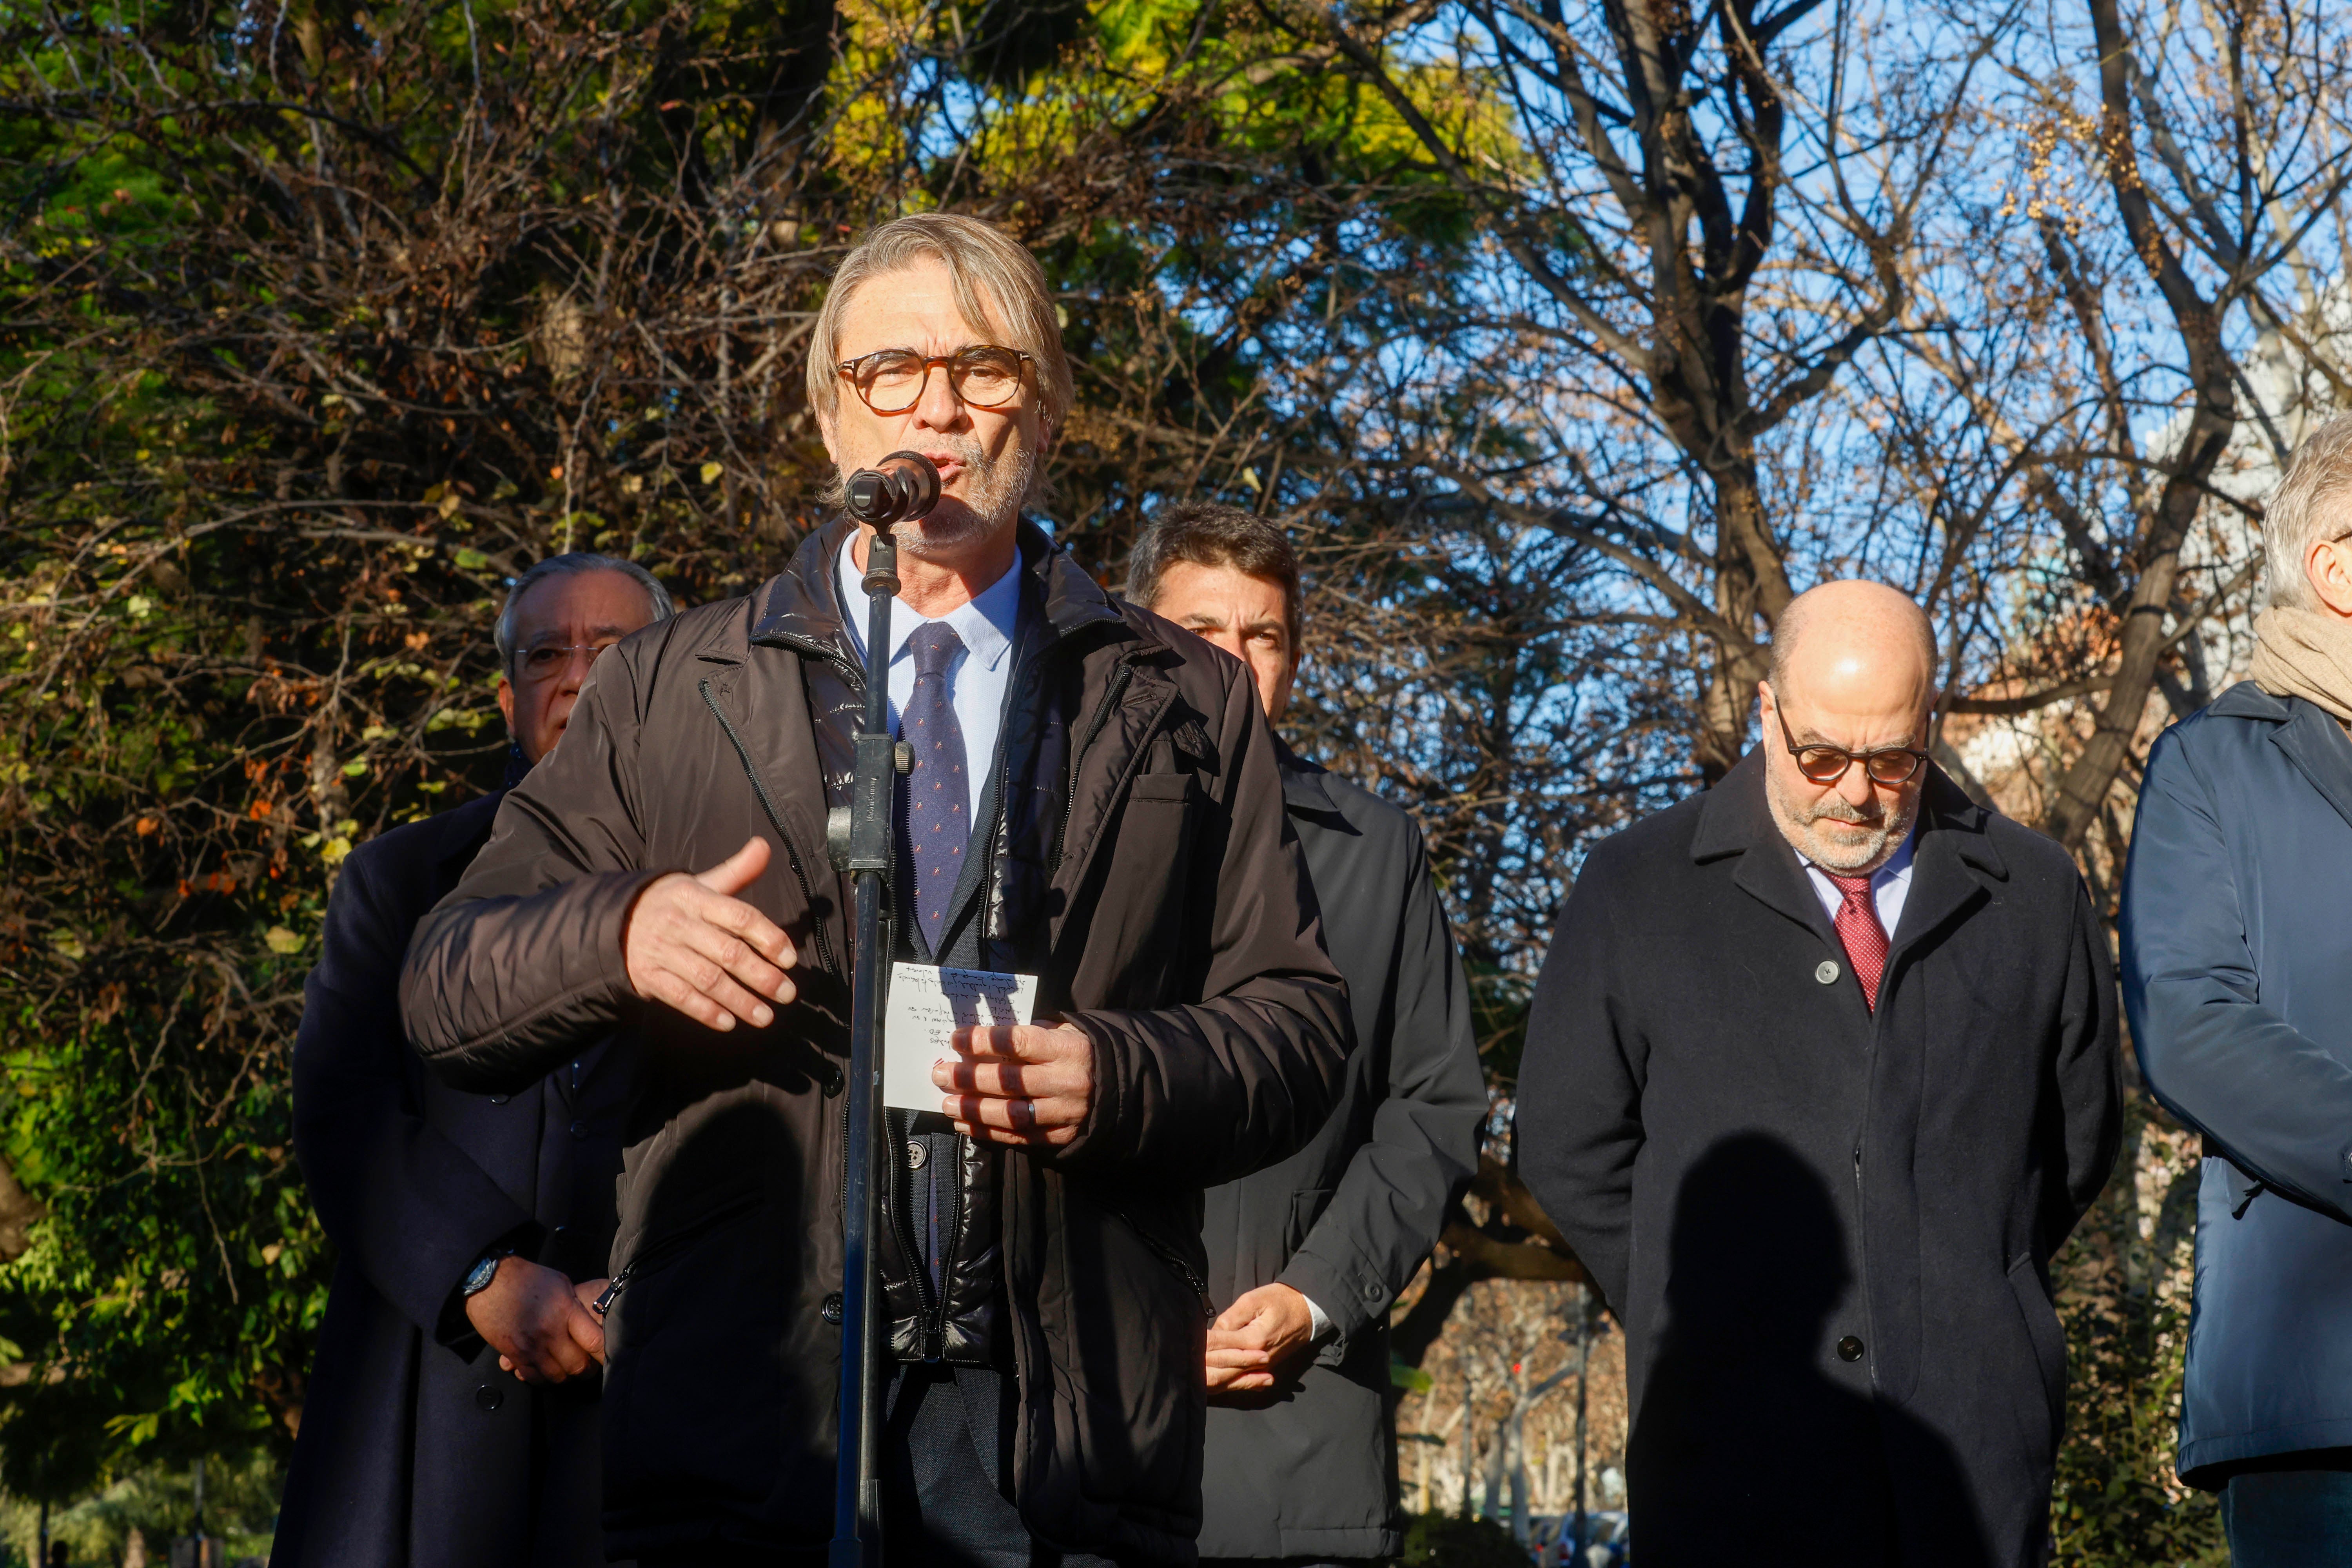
2305,654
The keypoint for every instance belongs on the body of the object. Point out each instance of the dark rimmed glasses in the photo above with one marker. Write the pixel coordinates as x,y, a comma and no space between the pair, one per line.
891,381
1824,765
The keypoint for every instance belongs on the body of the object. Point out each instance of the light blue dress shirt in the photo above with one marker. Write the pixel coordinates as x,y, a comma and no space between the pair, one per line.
1889,885
976,678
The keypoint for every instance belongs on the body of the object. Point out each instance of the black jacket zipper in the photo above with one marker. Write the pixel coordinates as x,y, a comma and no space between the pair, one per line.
951,1239
791,850
671,1245
1175,1260
902,1221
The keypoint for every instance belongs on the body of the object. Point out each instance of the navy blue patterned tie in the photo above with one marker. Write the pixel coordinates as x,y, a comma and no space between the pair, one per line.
938,823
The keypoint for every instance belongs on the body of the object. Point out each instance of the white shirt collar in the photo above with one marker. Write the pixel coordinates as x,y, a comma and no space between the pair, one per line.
985,624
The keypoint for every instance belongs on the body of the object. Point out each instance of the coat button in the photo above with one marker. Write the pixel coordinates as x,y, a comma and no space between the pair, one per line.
489,1396
831,1311
835,1080
579,1130
500,1099
917,1154
1849,1348
1826,971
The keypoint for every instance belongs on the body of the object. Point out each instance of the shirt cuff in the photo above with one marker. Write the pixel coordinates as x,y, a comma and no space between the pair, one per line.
1321,1319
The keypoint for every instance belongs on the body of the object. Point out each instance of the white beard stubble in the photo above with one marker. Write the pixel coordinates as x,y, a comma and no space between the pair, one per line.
1800,820
999,489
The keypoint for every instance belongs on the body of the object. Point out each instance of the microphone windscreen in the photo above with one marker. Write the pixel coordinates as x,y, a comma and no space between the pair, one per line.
919,482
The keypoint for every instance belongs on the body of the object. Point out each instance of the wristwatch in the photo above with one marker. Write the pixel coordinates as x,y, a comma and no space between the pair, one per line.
479,1278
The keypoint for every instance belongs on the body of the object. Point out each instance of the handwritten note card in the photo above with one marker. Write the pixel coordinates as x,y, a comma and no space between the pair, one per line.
929,1004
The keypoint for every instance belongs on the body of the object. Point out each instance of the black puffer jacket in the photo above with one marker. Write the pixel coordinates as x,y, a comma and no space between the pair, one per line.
1173,925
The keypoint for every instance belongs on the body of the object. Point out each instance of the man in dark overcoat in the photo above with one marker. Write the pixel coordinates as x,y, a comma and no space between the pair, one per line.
2237,959
451,1414
1820,1071
1306,1257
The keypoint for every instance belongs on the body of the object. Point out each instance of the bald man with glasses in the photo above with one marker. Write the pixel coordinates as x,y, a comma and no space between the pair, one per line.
1820,1072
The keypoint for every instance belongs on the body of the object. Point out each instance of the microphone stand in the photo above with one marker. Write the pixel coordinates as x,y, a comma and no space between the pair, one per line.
862,846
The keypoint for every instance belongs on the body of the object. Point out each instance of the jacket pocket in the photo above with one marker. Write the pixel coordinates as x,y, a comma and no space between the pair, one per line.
1171,1257
1143,917
709,1297
1133,1316
652,1254
2043,1330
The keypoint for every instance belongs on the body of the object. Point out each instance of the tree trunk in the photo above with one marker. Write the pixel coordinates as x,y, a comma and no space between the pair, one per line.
1750,583
1498,1456
1584,1369
1519,1531
2083,793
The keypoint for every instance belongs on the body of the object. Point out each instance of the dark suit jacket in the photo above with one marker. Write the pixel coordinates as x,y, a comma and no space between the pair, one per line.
1827,1233
2238,976
1309,1471
415,1448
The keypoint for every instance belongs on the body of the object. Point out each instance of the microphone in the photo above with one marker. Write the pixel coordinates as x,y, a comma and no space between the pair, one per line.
900,487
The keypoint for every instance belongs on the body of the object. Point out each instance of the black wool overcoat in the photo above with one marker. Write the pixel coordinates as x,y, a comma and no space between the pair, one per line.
415,1448
1827,1232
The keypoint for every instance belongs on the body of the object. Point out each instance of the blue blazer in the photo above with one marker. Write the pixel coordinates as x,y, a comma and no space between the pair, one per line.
2237,966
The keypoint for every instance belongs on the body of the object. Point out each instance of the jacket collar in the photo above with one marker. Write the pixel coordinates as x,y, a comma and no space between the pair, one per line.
2309,735
2316,743
798,606
2247,701
1951,844
1303,788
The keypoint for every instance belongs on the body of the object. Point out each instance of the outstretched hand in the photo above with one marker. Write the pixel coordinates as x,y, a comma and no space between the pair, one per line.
1022,1084
691,943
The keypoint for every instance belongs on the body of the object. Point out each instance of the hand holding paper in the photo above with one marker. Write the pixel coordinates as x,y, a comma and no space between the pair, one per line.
967,1032
1023,1084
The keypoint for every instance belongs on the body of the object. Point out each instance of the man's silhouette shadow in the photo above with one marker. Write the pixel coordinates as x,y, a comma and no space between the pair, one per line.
1748,1449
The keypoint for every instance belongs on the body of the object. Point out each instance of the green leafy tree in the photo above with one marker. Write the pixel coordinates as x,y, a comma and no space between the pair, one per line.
321,325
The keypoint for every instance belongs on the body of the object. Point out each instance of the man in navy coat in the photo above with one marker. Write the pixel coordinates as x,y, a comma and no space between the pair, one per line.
2237,955
451,1416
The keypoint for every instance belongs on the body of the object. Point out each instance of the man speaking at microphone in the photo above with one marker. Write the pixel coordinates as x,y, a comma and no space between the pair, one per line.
1094,801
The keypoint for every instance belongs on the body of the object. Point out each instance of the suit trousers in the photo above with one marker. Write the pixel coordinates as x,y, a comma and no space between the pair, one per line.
946,1455
946,1461
2289,1519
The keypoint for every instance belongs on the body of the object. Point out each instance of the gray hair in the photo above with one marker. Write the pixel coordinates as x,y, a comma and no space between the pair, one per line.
1206,533
986,266
2307,508
573,565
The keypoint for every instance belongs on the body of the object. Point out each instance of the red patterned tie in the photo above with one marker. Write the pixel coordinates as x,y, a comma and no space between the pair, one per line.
1864,938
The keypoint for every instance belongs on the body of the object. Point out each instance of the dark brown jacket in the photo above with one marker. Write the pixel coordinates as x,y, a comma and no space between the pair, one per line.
1176,930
